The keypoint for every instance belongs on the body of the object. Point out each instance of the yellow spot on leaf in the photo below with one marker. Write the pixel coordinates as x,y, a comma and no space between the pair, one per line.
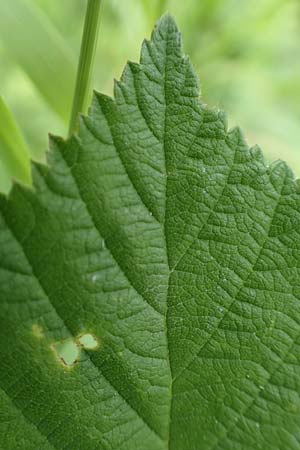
37,331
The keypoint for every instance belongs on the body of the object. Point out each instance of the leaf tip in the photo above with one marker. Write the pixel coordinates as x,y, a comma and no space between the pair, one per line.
280,168
166,23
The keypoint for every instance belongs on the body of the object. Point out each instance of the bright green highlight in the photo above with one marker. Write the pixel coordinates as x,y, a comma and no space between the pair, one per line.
34,43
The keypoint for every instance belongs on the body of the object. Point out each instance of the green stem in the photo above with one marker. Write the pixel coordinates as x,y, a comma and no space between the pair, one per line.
85,66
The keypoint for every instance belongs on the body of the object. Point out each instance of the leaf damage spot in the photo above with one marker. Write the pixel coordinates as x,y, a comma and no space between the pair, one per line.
68,351
88,341
292,408
37,331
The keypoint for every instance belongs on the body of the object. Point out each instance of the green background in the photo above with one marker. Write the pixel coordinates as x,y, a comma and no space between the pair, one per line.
247,55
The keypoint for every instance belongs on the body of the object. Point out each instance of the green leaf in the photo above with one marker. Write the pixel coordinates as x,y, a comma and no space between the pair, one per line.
164,253
14,155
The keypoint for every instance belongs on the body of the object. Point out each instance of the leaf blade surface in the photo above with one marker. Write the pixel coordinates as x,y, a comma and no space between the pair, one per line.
161,234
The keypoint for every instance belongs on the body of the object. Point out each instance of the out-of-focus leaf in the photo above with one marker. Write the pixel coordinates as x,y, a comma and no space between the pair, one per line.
36,45
4,179
14,156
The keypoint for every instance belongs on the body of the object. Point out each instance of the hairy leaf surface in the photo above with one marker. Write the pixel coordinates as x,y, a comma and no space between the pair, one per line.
150,282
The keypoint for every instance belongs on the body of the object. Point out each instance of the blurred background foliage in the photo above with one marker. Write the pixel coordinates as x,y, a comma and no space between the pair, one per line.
247,55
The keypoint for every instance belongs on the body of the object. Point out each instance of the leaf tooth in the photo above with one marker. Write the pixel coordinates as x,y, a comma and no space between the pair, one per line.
105,102
130,68
256,153
280,169
150,59
236,136
123,87
222,115
297,185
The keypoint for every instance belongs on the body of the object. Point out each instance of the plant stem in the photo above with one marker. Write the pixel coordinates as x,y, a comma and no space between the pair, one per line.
85,66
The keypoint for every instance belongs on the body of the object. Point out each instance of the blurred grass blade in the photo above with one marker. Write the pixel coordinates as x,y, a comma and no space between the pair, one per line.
5,181
14,155
36,45
85,66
